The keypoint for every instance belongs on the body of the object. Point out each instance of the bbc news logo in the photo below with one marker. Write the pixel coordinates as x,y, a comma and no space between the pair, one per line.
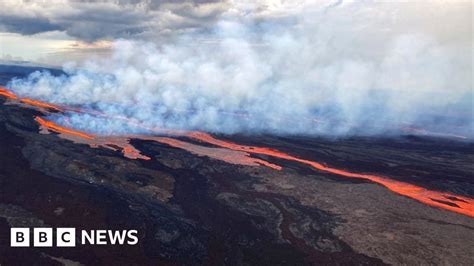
66,237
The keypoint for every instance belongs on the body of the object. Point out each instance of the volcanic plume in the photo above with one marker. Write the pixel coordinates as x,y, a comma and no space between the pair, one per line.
279,77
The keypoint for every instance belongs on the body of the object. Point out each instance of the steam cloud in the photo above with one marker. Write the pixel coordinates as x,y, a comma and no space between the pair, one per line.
335,71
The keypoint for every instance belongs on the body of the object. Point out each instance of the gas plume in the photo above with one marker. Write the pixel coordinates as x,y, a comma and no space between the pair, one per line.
342,70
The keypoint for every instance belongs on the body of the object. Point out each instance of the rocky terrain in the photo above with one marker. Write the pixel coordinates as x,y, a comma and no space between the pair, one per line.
197,203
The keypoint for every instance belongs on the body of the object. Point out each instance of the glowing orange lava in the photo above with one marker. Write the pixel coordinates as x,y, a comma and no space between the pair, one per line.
448,201
226,155
41,104
59,129
8,94
113,143
132,153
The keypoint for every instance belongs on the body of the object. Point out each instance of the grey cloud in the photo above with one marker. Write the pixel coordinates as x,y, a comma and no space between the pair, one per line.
102,21
151,4
92,20
26,25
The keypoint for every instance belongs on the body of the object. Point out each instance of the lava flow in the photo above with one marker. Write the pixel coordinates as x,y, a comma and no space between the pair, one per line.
443,200
59,129
112,143
29,102
8,94
40,104
226,155
123,143
448,201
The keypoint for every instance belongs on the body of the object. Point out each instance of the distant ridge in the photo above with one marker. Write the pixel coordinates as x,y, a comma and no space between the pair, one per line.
9,71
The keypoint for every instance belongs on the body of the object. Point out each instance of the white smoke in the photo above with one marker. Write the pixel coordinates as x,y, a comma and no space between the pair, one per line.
335,71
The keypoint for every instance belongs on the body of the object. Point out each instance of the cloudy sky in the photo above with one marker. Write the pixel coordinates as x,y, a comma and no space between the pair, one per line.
57,30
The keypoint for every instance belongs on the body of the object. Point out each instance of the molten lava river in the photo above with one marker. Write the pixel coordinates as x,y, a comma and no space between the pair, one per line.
229,152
